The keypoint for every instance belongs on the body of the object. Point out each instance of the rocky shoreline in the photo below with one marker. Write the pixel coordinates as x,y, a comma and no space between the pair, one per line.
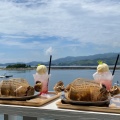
32,68
60,67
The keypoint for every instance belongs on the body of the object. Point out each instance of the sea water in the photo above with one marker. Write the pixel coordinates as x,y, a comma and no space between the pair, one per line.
64,75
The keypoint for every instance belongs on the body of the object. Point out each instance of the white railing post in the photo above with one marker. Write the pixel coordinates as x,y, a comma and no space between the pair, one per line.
40,119
10,117
45,119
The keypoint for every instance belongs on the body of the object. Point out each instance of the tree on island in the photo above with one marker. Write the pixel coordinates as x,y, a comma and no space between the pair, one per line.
18,66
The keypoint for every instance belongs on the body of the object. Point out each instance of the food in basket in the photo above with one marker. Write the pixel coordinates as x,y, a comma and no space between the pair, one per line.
86,90
115,90
38,86
17,87
59,87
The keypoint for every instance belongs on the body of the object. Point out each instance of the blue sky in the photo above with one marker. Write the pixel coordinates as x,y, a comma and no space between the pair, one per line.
31,30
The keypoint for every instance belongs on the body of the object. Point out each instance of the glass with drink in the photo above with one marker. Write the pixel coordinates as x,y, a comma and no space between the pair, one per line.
103,75
44,79
104,78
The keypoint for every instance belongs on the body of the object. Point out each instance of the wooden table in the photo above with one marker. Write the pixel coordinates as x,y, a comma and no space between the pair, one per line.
51,111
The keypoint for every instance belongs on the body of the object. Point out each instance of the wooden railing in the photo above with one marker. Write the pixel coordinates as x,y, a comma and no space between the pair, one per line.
51,111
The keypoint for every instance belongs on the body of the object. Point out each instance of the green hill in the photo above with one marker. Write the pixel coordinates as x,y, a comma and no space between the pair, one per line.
90,60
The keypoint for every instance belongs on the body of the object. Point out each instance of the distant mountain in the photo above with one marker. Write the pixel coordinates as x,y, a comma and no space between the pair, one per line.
35,63
109,58
70,59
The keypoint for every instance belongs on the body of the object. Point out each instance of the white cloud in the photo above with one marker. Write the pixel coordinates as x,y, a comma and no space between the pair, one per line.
103,7
49,51
23,45
80,22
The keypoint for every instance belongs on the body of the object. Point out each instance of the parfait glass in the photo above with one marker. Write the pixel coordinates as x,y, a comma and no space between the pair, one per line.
44,79
104,78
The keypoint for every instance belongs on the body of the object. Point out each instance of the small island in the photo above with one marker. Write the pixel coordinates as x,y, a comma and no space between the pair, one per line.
19,66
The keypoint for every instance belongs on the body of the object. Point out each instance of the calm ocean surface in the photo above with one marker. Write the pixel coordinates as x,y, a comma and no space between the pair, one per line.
66,76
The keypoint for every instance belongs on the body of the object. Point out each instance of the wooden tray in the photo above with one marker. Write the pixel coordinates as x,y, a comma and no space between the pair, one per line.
19,98
38,101
88,108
